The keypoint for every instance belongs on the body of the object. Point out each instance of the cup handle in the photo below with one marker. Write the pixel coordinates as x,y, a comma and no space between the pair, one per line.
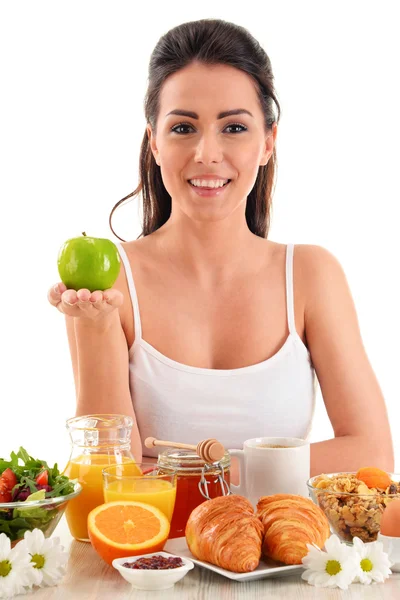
240,489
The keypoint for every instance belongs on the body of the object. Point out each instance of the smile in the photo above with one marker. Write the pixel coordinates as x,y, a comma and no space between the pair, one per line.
209,191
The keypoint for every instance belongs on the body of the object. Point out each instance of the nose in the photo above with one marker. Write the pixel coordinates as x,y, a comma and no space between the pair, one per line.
208,149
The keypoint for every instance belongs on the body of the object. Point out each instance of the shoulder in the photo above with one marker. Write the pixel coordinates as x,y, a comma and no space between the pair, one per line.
132,246
140,251
317,265
138,259
311,263
314,260
130,261
322,279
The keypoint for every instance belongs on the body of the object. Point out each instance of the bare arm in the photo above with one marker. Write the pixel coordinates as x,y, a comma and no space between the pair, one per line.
99,354
101,370
352,396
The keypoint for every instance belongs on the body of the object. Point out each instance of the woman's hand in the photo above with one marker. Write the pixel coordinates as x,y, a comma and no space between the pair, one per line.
83,303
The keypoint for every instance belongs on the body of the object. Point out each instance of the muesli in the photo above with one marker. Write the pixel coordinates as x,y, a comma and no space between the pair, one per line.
352,508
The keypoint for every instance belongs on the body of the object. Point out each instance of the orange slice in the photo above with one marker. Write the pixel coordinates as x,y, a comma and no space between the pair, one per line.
127,528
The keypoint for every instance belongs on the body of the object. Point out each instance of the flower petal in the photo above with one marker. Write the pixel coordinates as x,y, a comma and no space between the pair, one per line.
5,546
34,540
358,544
52,576
332,544
322,579
10,587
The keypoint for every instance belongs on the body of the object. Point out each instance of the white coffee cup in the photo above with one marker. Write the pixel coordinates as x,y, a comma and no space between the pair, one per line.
264,470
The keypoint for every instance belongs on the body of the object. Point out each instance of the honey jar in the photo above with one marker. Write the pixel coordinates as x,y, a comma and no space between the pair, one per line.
197,482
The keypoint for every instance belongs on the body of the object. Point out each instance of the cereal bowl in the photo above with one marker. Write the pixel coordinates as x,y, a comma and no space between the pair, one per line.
352,509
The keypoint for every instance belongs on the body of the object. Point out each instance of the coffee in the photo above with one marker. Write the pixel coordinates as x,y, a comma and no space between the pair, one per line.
272,446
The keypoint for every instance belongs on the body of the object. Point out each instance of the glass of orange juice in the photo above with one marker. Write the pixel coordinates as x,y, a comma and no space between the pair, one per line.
141,482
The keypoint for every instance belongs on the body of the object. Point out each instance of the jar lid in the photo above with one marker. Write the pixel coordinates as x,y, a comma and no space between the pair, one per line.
188,460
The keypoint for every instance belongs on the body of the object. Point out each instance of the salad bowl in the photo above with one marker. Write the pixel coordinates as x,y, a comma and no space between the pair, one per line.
33,495
18,517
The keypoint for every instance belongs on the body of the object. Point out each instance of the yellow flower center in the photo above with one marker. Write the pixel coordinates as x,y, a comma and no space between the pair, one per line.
333,567
366,564
38,560
5,568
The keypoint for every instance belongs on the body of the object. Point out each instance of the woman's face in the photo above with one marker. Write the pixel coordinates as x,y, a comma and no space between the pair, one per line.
207,145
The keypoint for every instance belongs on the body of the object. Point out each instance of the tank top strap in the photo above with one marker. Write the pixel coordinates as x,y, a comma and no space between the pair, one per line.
132,291
289,288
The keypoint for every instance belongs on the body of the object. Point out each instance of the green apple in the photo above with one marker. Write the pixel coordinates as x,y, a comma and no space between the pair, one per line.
88,262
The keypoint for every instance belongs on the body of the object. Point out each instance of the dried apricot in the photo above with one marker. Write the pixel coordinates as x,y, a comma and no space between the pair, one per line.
374,477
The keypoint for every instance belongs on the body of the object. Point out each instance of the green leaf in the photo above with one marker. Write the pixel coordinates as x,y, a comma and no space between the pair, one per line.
5,527
22,453
39,514
19,522
61,489
14,460
20,533
30,483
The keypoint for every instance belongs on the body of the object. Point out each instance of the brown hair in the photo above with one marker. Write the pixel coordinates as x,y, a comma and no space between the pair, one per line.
211,42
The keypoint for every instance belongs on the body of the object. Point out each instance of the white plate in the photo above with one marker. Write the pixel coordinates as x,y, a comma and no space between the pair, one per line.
266,568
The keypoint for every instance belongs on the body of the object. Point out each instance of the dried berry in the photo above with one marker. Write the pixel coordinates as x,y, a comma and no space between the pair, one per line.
155,562
45,487
22,494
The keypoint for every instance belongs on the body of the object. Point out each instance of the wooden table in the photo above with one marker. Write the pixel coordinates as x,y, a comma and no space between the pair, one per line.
88,577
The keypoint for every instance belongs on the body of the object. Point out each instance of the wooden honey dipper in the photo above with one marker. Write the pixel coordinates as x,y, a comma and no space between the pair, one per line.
209,450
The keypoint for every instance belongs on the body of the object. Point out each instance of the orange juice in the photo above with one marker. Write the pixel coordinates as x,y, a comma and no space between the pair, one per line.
158,493
87,470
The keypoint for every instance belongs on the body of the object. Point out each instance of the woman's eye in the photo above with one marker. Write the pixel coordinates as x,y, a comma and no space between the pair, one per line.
243,128
182,125
185,125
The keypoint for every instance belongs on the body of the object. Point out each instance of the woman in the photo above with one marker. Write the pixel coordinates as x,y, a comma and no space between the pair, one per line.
212,329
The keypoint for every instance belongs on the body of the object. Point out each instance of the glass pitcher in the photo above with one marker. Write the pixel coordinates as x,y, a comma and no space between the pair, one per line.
98,441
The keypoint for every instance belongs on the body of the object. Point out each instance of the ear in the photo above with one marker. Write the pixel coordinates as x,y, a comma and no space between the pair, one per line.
153,145
269,145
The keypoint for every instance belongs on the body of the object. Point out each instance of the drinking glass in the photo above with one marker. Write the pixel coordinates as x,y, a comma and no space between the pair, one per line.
141,482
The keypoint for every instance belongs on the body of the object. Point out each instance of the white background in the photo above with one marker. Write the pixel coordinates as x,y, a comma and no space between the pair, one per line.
73,77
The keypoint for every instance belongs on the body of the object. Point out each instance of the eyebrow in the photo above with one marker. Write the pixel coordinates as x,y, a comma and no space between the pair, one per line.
221,115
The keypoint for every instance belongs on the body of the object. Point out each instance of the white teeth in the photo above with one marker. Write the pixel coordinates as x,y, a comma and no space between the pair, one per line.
214,183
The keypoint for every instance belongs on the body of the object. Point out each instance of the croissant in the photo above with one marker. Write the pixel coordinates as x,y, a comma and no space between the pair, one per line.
224,531
290,522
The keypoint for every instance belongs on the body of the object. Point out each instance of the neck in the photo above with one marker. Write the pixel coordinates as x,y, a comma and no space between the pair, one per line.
209,252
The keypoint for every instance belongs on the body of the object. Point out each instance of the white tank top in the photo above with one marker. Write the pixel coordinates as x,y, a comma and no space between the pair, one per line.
181,403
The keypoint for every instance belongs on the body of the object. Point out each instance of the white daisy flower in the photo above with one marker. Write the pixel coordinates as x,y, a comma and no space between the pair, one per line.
373,563
16,571
334,568
47,556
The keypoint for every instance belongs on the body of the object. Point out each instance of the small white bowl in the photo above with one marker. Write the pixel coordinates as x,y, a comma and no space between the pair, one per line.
391,545
152,579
